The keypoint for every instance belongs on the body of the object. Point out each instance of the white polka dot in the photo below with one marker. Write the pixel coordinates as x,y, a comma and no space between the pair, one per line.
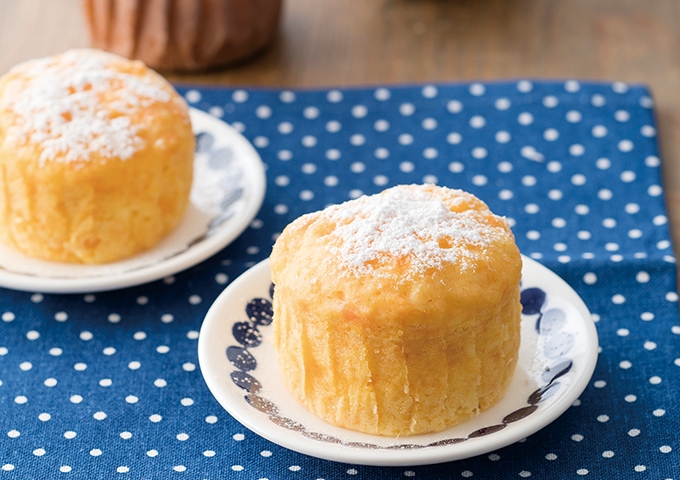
633,432
194,299
577,150
285,128
647,316
182,437
284,155
309,141
50,382
640,468
630,398
381,153
583,235
648,131
134,365
39,452
578,179
505,194
611,247
211,419
560,247
99,415
192,96
573,116
310,113
582,471
306,195
430,153
625,146
551,134
623,332
551,456
429,91
429,123
555,194
533,235
69,435
261,142
167,318
477,121
605,194
503,103
238,437
503,136
524,86
550,101
603,418
380,180
479,180
456,167
477,89
61,316
25,366
652,161
479,153
295,468
95,452
155,418
162,349
105,382
13,434
239,126
334,96
114,318
454,138
572,86
454,106
525,118
654,190
646,102
109,351
189,367
599,131
287,96
672,297
590,278
582,209
598,100
263,112
655,380
80,366
665,449
357,139
65,468
331,181
152,453
524,474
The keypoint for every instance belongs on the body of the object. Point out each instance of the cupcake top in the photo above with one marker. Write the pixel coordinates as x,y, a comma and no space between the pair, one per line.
79,103
406,231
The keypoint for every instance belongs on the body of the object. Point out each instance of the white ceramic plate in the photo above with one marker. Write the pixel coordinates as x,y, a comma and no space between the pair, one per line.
239,364
227,192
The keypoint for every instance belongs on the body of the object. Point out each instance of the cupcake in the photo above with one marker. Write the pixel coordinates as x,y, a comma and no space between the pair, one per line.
398,314
96,157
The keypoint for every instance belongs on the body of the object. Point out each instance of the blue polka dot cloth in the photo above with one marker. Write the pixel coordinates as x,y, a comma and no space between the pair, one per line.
107,385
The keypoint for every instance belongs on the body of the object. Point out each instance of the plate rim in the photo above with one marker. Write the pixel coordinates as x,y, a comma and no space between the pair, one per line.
256,182
394,458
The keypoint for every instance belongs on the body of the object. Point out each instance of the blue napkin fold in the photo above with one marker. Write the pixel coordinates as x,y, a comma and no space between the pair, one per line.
108,385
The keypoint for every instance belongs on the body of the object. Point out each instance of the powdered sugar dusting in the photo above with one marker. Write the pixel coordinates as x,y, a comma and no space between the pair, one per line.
58,104
408,222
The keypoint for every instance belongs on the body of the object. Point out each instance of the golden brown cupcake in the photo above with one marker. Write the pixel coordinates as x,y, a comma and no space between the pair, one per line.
96,157
398,313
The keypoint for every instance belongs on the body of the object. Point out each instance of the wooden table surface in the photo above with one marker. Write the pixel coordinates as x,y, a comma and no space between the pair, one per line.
367,42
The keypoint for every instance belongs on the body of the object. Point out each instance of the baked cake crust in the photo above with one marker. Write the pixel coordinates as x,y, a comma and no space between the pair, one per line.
96,157
398,314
